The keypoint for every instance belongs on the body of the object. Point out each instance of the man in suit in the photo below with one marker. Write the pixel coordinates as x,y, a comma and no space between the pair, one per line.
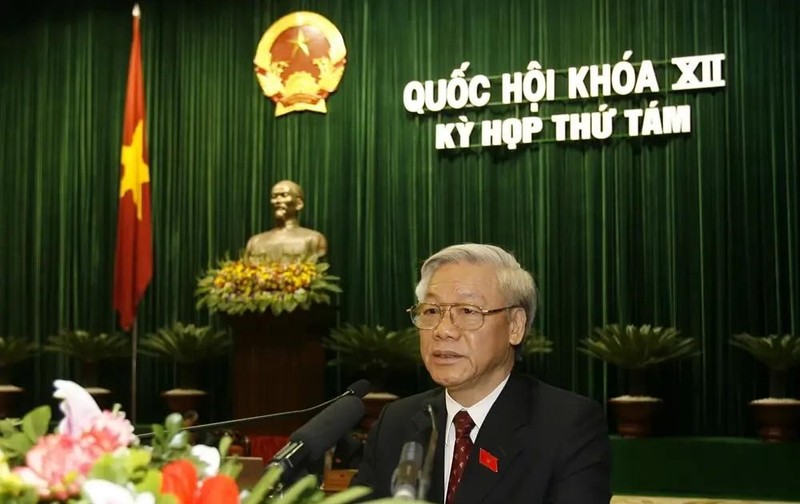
502,438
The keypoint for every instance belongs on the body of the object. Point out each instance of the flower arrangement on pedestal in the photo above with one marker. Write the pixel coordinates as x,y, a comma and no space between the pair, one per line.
94,457
248,285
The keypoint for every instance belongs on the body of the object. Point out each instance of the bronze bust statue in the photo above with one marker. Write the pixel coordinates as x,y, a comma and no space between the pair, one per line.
287,240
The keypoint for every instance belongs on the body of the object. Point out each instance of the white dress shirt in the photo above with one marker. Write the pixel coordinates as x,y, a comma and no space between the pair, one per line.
477,412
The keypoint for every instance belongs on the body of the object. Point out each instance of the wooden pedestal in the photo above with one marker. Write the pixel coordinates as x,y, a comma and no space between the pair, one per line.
279,365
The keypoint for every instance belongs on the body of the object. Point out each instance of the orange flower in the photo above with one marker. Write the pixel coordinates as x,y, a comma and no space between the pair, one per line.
179,478
218,489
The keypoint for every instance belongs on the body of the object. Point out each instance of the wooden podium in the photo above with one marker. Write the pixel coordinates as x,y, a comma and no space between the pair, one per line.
278,365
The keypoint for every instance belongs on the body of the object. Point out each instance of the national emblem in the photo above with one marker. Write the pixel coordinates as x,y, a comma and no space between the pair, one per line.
299,62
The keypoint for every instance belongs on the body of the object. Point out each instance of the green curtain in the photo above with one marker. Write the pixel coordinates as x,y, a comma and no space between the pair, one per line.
697,231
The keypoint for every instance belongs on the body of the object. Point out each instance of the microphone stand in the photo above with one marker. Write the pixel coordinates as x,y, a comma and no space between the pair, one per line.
254,418
427,465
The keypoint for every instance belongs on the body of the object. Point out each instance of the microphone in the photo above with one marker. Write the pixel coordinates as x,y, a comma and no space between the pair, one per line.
357,389
320,433
407,474
412,476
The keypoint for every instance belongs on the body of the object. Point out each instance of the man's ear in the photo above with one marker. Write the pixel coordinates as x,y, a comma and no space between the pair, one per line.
299,205
518,324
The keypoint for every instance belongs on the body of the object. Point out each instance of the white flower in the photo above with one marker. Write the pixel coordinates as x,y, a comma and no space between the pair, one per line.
209,456
179,439
105,492
79,408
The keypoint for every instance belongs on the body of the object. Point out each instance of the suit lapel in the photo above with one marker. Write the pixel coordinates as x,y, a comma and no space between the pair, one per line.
497,440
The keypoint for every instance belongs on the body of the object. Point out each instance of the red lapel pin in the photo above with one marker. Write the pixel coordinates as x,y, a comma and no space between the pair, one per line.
488,460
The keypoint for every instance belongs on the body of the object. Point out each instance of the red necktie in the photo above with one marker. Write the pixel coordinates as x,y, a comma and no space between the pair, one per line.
463,447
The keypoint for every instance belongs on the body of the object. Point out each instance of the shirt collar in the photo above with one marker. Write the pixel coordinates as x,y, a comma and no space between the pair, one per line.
477,411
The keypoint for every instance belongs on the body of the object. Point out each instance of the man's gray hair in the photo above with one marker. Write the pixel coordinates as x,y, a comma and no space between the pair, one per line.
516,284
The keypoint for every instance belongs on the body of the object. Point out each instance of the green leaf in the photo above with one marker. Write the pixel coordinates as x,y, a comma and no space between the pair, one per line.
158,430
14,350
290,305
186,343
166,499
265,484
535,343
348,495
634,347
302,486
374,348
230,466
36,423
777,352
9,426
17,444
26,495
137,458
89,347
225,445
109,469
151,482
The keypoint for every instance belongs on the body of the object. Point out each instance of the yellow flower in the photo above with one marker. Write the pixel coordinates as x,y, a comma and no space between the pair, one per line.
10,483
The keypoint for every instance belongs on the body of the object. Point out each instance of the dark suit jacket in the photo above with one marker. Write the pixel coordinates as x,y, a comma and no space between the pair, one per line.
551,447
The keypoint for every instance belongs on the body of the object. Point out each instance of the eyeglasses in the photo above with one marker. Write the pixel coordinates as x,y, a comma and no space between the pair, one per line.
464,316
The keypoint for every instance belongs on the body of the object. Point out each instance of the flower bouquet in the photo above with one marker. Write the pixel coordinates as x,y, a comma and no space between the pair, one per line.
249,285
94,457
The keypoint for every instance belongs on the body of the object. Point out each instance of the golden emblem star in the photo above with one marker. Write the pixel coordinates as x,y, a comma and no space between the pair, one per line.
300,42
136,172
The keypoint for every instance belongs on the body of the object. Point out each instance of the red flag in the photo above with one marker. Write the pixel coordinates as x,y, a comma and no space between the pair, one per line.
487,460
134,256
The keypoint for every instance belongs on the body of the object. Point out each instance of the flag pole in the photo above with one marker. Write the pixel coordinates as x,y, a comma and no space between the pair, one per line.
133,268
134,353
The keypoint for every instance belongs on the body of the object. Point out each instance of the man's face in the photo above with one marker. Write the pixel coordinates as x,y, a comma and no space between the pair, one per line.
285,201
470,363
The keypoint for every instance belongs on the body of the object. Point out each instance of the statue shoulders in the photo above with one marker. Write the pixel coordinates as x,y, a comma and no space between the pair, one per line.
260,237
287,233
318,243
310,233
281,241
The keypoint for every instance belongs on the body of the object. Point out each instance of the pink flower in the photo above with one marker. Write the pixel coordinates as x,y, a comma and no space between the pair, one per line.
56,466
111,431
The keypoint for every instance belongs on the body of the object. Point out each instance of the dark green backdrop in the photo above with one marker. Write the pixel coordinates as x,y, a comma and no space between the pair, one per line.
699,231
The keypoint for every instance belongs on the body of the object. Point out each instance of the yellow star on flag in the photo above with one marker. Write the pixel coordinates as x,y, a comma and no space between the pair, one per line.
136,172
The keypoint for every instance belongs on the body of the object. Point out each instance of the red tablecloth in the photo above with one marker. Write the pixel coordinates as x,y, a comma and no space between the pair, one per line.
266,446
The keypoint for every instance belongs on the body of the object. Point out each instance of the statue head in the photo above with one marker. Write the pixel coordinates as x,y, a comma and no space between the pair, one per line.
287,238
287,200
